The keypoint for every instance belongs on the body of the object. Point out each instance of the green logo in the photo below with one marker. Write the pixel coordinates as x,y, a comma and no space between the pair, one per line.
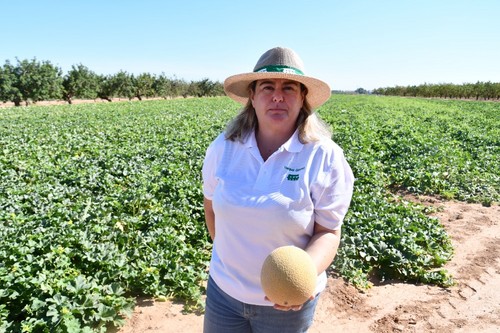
292,177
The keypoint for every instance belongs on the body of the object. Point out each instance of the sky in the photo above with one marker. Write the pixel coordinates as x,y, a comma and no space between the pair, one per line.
349,44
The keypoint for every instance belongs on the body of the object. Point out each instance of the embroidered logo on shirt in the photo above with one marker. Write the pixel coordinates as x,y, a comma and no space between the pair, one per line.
293,177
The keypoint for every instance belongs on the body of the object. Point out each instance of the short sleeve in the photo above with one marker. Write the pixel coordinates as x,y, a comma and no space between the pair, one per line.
332,191
210,164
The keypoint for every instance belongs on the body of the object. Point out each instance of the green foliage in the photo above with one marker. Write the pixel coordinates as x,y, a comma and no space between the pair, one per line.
163,86
479,90
443,148
122,84
30,81
33,81
106,87
144,85
80,82
100,203
7,81
205,87
103,202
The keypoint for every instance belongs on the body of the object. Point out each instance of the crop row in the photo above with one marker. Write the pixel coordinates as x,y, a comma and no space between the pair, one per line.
100,203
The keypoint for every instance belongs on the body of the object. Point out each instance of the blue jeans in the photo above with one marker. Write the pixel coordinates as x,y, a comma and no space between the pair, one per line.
224,314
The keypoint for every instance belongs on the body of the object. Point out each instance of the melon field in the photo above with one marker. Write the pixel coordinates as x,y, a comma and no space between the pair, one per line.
101,203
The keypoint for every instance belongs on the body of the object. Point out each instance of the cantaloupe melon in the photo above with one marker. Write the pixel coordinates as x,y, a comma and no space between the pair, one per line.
288,276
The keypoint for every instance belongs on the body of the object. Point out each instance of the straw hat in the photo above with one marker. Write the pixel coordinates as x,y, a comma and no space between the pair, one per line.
277,63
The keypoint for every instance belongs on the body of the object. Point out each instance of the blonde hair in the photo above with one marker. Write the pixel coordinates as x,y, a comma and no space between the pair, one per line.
311,127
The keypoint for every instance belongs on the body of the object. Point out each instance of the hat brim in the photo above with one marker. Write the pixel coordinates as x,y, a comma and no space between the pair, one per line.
237,86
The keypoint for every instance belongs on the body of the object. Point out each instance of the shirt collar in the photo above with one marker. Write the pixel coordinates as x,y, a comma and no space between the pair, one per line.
293,145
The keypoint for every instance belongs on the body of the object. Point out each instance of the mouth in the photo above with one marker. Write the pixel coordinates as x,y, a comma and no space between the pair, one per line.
279,110
277,114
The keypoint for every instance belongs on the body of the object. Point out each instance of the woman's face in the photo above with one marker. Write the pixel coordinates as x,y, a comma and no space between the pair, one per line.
277,103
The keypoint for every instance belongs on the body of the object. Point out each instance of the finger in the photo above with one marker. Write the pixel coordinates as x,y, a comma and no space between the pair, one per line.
288,308
281,308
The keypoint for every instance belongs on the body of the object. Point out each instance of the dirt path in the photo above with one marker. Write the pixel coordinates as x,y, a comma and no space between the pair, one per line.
472,305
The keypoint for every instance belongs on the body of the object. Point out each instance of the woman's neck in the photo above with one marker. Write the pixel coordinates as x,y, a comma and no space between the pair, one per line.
269,141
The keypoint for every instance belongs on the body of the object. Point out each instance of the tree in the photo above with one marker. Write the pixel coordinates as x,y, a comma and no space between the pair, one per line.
361,91
379,91
144,86
106,90
468,90
80,82
193,89
478,90
118,85
207,87
33,81
496,90
123,85
179,88
162,86
489,90
7,79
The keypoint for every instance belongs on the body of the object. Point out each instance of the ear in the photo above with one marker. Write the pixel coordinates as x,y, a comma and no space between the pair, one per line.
303,95
251,95
303,92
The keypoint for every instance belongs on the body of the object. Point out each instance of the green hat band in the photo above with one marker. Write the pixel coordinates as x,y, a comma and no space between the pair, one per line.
279,69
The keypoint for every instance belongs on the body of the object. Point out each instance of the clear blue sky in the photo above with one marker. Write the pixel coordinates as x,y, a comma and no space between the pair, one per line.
348,44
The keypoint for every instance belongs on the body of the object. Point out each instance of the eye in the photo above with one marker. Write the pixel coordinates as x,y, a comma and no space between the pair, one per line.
291,88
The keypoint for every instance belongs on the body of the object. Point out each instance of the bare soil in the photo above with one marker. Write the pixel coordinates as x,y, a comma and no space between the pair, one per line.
471,305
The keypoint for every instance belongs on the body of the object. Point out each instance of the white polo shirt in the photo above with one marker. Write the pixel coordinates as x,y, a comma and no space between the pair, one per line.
260,206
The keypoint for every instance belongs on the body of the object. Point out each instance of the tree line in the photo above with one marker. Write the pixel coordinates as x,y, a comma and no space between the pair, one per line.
31,81
479,90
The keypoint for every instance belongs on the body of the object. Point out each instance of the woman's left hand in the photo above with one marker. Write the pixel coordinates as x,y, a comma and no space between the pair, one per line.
288,308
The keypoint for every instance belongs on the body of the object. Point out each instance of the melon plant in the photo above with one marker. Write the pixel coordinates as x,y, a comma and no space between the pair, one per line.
102,202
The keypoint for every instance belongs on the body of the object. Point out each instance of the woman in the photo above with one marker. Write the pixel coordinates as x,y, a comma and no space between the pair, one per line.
273,178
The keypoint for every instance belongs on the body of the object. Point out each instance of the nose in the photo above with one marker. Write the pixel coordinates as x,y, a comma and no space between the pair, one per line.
277,96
